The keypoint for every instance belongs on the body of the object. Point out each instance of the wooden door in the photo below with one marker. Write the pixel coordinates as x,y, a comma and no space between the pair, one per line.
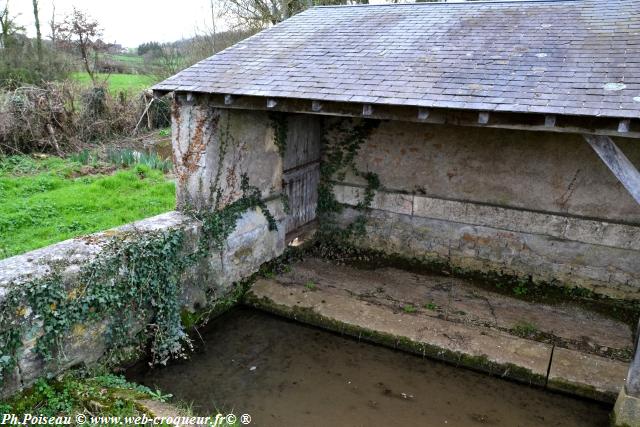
301,169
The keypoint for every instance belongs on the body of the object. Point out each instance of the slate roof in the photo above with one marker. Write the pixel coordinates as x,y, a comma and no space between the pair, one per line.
575,57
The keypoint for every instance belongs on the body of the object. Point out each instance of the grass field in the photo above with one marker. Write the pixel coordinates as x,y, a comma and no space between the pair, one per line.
131,59
119,82
43,201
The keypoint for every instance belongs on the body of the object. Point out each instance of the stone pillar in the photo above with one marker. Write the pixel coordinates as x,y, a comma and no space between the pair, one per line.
626,412
214,147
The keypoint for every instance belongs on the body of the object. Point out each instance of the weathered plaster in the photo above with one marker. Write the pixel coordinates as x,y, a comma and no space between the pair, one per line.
555,173
213,148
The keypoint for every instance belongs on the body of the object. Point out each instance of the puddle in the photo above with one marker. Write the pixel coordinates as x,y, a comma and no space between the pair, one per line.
287,374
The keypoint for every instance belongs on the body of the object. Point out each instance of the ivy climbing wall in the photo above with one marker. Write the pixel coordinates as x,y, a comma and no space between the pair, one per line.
128,292
137,290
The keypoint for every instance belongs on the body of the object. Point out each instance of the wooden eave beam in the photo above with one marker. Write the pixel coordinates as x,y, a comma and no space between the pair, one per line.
473,118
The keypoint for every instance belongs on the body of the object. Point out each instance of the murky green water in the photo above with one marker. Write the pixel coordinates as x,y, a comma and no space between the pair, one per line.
287,374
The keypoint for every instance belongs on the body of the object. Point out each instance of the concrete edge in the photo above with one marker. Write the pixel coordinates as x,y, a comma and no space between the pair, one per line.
478,363
570,372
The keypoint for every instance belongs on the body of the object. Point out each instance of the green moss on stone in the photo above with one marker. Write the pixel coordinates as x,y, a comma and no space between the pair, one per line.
583,390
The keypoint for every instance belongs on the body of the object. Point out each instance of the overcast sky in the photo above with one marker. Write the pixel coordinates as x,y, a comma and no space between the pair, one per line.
132,22
128,22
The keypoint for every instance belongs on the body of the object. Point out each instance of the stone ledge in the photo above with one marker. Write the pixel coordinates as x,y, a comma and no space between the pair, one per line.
586,375
82,249
370,305
562,227
477,348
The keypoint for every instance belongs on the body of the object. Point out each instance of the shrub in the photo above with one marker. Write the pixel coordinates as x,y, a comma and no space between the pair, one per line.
57,116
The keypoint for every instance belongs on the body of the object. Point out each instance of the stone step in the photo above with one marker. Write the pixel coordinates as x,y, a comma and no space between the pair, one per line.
440,318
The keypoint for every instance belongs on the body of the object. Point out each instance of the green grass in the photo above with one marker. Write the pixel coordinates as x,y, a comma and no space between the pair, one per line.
126,158
431,306
408,308
119,82
524,329
96,394
46,201
72,394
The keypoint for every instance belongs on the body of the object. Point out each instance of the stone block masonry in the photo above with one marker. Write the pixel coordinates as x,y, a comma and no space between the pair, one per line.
542,255
537,206
209,280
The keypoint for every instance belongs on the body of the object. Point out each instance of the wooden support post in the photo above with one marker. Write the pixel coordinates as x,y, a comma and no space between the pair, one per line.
624,125
316,106
483,117
367,110
617,162
228,100
550,120
271,103
423,113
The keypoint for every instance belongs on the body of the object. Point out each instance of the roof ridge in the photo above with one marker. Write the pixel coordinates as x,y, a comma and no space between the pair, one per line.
442,3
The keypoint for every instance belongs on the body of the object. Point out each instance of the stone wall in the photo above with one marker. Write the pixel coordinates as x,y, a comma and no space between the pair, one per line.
547,172
211,279
213,148
536,205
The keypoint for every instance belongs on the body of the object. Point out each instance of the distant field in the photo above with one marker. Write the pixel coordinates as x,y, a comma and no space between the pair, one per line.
119,82
43,201
135,59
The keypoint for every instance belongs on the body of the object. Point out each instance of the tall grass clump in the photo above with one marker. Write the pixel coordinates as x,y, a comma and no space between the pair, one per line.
127,158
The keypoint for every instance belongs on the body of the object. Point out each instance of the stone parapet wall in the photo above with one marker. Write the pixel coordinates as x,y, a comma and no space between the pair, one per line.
597,255
209,279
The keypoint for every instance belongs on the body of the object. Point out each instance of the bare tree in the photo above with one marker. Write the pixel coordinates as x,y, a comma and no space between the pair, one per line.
8,26
171,59
52,23
80,31
4,25
36,15
254,15
213,25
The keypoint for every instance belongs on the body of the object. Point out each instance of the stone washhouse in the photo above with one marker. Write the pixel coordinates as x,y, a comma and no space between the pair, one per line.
504,135
494,137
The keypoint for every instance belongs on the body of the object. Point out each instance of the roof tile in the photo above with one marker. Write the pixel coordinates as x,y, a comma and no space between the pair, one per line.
554,57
